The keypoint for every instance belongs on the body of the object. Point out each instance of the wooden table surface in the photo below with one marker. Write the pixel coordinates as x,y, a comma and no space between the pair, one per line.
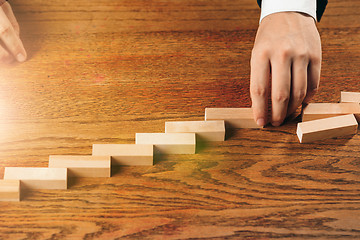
101,71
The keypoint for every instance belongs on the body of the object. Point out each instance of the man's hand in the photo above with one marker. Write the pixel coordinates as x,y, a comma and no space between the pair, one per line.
11,46
287,50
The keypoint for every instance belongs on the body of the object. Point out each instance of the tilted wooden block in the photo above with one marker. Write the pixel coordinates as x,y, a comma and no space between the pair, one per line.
207,130
234,117
82,166
9,190
126,154
38,178
315,111
327,128
169,143
350,97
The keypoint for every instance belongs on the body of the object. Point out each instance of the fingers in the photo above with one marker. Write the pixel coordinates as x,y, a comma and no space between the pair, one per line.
313,82
10,38
259,87
10,14
294,81
280,89
299,72
292,85
5,57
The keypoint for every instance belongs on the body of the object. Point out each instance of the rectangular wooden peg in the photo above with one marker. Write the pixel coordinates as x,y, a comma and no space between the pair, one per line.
169,143
126,154
206,130
9,190
233,117
82,166
38,178
350,97
315,111
327,128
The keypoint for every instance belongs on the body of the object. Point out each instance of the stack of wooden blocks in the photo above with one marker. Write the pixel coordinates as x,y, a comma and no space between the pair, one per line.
179,138
329,120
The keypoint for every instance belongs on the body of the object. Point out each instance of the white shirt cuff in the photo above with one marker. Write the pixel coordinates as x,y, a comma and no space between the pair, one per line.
273,6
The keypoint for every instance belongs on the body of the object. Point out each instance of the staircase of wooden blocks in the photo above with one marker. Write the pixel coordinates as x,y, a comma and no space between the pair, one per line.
320,121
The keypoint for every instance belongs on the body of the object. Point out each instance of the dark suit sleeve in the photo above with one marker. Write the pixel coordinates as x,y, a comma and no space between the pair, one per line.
320,7
259,3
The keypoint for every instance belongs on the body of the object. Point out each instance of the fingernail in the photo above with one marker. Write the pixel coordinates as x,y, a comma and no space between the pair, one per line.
20,57
276,124
260,122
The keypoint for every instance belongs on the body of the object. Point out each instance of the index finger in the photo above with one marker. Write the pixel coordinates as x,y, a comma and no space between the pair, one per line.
10,38
259,87
10,15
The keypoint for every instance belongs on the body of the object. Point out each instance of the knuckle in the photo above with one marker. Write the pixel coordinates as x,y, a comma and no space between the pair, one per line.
285,53
258,91
4,30
281,96
302,55
259,54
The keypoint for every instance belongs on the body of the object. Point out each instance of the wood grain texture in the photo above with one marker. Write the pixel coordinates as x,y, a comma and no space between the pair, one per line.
100,71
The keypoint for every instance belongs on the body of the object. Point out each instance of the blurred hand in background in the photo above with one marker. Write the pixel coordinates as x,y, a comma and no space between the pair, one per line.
11,47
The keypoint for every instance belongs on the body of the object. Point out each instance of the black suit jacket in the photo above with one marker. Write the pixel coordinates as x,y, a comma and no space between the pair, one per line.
321,5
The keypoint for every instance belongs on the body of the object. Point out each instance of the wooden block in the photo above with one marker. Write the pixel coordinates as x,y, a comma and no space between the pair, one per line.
9,190
327,128
207,130
315,111
126,154
350,97
169,143
234,117
82,166
38,178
